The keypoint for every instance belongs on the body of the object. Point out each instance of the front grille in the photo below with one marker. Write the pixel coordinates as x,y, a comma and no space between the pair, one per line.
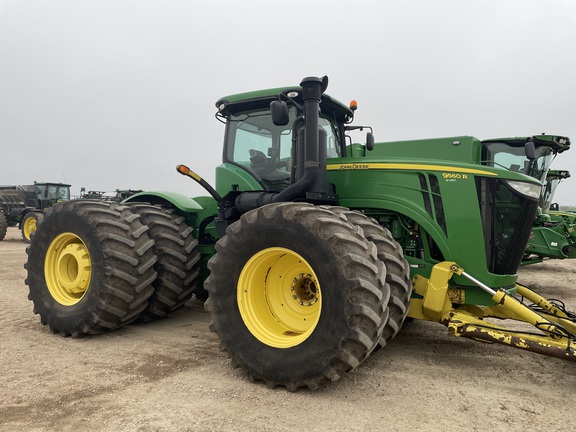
507,219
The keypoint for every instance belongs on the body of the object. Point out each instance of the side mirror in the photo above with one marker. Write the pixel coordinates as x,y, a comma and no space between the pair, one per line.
279,113
530,150
369,141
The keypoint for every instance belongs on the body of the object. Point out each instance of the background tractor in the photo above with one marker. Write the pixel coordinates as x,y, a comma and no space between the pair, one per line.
553,179
554,232
311,249
24,205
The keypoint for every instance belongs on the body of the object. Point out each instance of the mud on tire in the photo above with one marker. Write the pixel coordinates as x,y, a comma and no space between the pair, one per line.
397,269
297,295
178,263
90,267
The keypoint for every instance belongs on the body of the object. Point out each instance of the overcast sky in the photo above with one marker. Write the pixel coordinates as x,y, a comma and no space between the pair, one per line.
111,94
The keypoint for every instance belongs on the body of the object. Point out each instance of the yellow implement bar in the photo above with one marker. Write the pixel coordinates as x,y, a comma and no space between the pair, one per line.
466,325
556,329
553,313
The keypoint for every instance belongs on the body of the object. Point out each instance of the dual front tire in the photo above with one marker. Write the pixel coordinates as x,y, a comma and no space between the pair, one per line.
298,294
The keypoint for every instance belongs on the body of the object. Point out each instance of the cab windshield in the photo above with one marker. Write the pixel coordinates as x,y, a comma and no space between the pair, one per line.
548,193
255,144
54,191
514,158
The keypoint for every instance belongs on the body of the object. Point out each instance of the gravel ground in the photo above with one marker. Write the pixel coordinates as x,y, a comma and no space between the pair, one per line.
170,375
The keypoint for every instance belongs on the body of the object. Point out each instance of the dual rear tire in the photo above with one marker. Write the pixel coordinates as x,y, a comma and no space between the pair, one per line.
94,266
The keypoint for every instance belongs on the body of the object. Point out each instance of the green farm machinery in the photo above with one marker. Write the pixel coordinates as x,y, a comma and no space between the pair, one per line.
118,195
554,233
312,250
553,179
24,205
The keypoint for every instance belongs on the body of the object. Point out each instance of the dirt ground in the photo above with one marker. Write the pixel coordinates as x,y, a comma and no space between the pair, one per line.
170,375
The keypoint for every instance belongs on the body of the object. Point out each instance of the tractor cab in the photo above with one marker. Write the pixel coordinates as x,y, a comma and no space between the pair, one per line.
47,194
553,179
44,195
530,155
269,152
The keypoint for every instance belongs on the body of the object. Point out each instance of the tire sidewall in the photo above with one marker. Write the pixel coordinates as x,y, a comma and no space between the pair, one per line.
52,311
332,327
38,217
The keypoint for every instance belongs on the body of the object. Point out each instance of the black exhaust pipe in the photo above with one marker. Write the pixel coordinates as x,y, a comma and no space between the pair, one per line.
312,178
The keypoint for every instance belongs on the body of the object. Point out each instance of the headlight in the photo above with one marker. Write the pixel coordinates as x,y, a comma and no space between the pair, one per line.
531,190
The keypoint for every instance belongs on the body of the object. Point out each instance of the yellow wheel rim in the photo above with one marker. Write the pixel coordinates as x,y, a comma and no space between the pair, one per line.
29,227
67,269
279,297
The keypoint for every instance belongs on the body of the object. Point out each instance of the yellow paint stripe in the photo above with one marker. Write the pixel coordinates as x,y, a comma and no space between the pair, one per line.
399,166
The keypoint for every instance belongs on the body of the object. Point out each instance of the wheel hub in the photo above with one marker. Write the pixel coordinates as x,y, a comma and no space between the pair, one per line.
67,269
74,268
304,289
279,297
29,227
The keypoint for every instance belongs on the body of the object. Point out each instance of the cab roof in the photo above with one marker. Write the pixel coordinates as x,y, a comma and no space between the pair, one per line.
556,142
261,99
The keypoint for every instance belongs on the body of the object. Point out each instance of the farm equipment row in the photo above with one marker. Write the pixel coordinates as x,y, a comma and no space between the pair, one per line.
554,232
312,250
24,206
118,195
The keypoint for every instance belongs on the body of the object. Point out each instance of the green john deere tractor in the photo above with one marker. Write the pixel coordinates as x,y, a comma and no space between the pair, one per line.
24,205
554,232
552,236
312,249
553,179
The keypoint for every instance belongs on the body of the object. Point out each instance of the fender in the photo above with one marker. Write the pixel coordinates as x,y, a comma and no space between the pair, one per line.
170,199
